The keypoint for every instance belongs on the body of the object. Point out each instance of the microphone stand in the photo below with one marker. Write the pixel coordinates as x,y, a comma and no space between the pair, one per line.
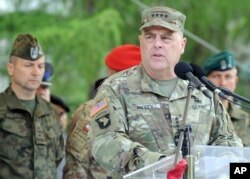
230,93
183,139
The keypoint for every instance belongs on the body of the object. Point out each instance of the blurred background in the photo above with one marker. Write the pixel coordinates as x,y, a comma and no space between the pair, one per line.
76,35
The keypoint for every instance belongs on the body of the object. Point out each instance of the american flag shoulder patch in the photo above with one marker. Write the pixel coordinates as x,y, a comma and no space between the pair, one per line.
98,107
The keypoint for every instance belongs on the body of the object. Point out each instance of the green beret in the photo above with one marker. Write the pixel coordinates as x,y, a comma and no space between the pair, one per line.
219,62
26,47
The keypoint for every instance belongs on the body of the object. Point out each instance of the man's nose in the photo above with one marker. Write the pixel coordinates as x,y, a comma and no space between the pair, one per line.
36,70
222,82
158,41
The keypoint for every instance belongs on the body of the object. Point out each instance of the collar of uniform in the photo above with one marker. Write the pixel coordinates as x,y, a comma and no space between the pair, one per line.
42,107
12,101
149,85
181,90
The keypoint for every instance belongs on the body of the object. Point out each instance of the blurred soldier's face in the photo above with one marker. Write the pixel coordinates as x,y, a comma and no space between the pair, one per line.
161,49
62,115
26,75
227,79
44,92
111,71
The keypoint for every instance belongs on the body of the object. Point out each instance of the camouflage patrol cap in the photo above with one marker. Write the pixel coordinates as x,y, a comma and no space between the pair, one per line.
165,17
26,47
219,62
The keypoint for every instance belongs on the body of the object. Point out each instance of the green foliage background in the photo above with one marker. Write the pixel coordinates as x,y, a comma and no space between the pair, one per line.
76,42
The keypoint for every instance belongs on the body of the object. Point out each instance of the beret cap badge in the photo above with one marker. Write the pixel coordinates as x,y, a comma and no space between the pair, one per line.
221,61
34,52
223,64
27,47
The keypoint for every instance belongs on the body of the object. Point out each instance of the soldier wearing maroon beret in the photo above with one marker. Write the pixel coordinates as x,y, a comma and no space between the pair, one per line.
119,58
80,163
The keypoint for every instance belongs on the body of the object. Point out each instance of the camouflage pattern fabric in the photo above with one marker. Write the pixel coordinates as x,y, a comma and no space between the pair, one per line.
164,17
80,163
241,122
27,47
31,147
130,130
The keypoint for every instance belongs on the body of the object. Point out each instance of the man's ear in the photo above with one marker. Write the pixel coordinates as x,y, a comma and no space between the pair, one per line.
183,44
10,68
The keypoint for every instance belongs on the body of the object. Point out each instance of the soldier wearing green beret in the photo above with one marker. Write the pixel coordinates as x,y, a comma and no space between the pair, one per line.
137,113
31,137
222,71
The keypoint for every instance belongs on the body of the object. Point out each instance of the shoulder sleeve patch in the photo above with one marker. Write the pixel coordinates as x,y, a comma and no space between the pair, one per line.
99,106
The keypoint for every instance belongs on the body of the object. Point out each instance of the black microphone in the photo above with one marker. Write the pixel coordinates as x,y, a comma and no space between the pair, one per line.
185,72
221,91
210,85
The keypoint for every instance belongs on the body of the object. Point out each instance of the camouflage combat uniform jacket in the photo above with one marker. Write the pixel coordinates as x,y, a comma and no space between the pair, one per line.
31,147
80,163
241,123
134,124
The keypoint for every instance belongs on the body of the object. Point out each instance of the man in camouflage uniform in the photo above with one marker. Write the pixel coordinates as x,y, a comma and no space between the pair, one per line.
139,112
30,133
80,163
221,70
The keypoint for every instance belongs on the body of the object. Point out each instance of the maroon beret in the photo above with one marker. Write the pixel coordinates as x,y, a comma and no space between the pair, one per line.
123,57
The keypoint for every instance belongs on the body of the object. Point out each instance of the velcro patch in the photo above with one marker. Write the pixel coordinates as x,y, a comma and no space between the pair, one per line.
98,107
86,128
103,122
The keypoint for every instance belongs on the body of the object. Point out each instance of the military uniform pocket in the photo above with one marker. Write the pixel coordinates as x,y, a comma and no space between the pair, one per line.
13,138
53,132
15,127
49,140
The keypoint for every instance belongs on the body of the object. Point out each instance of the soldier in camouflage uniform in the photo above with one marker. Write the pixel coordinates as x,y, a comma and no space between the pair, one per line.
139,112
30,133
221,70
80,163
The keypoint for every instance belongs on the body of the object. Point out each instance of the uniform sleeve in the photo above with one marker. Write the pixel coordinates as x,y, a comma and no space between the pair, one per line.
223,132
241,122
77,160
247,131
109,141
74,168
